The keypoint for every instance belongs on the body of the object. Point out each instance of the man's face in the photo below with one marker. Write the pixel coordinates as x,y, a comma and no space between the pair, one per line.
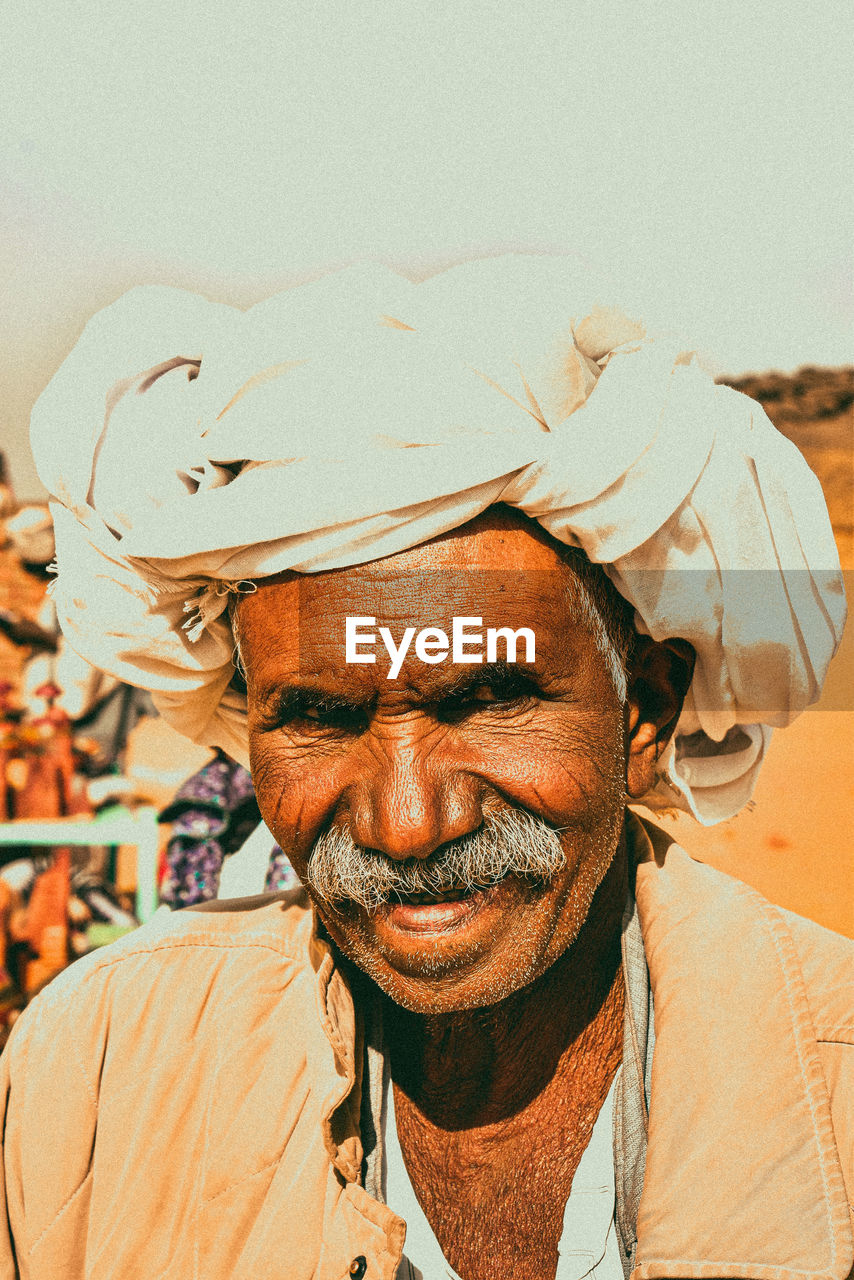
409,765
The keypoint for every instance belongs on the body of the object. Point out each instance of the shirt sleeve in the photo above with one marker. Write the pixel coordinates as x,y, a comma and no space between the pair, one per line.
49,1120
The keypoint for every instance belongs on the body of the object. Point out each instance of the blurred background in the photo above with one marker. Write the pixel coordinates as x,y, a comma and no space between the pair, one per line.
700,156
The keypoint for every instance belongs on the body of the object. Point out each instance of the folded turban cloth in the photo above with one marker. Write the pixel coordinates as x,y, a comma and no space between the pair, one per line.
192,446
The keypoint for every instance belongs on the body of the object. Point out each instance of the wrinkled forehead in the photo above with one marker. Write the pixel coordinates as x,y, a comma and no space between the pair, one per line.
502,568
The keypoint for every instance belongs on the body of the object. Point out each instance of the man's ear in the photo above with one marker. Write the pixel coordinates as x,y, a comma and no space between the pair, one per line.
659,677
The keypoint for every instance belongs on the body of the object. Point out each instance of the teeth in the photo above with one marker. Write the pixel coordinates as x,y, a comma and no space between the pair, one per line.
428,899
451,895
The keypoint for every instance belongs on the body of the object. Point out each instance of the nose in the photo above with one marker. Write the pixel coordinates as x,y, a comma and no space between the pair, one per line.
410,804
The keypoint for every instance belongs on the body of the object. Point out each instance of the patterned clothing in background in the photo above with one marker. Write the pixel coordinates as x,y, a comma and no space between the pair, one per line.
280,873
212,815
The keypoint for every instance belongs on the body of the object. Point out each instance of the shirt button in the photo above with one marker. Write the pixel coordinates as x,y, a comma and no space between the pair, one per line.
358,1267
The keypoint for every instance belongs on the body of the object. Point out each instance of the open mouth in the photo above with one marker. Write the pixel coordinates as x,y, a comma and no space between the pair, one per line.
457,894
425,913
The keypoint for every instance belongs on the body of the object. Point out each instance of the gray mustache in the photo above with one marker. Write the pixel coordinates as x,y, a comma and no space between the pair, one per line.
512,841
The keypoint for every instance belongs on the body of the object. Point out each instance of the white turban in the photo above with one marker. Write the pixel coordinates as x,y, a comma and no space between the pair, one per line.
192,446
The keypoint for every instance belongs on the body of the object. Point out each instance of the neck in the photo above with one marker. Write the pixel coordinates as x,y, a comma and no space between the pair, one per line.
480,1066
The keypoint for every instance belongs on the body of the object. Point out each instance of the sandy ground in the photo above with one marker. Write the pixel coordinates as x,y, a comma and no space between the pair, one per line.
795,842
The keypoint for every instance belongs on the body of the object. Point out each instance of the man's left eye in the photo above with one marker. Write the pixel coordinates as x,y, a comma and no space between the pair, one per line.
484,697
486,693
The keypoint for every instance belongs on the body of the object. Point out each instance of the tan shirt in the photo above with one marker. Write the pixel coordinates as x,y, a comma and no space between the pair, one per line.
186,1102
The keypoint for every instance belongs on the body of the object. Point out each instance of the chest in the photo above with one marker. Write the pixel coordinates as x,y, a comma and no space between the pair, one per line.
495,1196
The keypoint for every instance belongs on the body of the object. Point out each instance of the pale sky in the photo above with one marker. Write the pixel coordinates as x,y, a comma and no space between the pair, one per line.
701,153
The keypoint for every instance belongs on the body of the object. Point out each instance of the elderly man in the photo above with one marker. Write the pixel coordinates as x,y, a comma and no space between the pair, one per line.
508,1028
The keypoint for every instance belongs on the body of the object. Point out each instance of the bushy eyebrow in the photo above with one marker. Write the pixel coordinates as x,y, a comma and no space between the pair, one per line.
289,702
508,680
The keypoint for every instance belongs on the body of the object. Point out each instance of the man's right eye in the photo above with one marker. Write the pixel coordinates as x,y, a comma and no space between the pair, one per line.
344,718
297,714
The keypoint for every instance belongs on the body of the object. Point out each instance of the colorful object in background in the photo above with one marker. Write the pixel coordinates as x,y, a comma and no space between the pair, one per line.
280,873
39,760
54,907
47,923
212,815
9,716
48,902
11,999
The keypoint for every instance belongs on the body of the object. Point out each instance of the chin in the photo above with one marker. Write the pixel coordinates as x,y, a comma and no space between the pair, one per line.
434,958
436,993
